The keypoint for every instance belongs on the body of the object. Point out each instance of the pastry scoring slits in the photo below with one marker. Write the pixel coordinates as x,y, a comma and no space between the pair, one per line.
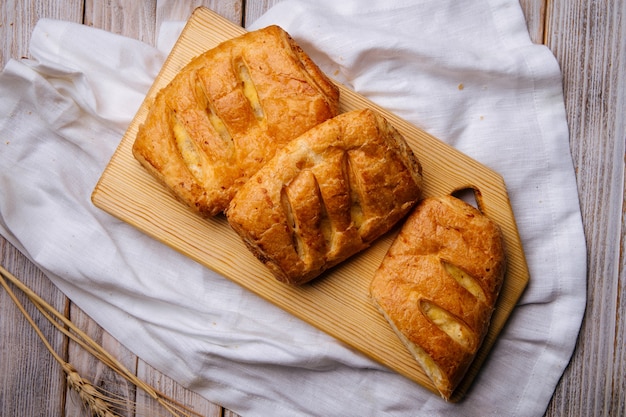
227,112
438,284
327,195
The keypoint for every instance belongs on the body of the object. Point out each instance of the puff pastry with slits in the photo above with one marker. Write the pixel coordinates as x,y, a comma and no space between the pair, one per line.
327,195
438,285
226,113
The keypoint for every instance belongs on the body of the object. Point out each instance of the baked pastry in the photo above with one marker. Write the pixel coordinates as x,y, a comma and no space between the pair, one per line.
438,284
225,114
327,195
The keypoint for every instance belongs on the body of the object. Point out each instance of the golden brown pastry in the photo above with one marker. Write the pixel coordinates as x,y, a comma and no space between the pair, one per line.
226,113
327,195
438,284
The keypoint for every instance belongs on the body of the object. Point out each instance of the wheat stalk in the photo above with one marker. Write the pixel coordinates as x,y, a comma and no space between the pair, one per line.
88,394
98,403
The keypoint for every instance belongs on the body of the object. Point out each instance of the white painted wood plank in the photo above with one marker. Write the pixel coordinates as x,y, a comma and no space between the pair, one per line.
589,41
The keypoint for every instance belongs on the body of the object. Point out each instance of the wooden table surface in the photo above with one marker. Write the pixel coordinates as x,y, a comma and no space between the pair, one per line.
588,38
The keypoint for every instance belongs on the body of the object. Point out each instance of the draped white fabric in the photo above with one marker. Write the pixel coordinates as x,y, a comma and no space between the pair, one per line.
466,72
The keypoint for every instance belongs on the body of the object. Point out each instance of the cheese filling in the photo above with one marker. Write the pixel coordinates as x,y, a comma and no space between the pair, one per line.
449,324
188,150
249,90
465,280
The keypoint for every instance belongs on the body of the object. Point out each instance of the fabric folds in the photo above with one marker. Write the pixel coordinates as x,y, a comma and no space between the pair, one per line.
465,72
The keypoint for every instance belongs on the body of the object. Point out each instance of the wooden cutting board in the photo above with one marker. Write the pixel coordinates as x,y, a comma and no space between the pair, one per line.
336,303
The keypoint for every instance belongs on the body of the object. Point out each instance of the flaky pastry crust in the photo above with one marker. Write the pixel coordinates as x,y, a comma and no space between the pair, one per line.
327,195
226,113
438,285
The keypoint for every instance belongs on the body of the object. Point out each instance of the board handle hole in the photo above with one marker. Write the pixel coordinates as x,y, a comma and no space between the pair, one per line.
471,195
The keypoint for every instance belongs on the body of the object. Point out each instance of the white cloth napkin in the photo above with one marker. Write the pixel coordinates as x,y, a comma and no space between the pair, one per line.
466,72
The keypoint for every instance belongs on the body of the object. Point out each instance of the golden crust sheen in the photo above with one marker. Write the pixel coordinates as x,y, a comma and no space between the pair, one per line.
327,195
416,289
226,113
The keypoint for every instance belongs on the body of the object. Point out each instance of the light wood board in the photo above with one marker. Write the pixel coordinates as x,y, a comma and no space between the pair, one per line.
336,303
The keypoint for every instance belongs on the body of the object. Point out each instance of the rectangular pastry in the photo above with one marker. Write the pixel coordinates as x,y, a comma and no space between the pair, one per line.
438,285
327,195
225,114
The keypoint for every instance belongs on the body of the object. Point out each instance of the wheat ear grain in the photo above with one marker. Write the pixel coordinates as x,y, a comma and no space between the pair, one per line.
95,401
68,328
88,394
